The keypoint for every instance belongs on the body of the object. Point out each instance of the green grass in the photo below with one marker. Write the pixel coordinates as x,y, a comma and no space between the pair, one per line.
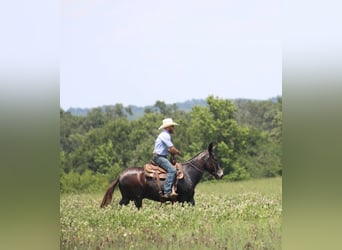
239,215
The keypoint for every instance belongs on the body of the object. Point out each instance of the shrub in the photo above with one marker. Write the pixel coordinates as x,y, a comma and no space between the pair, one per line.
238,174
87,182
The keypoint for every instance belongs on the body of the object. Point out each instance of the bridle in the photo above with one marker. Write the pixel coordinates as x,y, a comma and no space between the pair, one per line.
214,163
195,167
191,164
201,170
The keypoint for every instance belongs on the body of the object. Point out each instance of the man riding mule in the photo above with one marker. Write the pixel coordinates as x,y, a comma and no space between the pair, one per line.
135,186
162,147
153,171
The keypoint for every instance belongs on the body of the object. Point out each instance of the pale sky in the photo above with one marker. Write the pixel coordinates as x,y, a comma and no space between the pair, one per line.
138,52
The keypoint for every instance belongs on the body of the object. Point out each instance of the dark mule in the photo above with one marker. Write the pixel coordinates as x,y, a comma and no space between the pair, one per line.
134,186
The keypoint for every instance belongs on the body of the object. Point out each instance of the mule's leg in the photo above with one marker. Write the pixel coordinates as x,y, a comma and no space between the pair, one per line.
192,201
138,202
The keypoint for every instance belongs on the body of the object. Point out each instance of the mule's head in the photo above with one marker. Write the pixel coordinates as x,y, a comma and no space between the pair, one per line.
212,165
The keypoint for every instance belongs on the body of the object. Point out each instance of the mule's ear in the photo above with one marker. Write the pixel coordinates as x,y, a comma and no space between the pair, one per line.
211,147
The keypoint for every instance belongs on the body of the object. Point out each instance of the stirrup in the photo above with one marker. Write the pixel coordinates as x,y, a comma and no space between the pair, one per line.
169,195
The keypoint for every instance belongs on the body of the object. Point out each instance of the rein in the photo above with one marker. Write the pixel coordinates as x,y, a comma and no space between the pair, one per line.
187,179
197,159
195,167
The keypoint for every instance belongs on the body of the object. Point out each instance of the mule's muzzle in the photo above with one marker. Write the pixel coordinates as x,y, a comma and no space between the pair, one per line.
219,174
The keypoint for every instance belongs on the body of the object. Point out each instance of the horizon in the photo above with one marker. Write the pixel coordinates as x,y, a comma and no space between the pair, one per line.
168,103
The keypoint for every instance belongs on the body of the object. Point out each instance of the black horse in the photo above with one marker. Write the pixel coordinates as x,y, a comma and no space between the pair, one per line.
135,186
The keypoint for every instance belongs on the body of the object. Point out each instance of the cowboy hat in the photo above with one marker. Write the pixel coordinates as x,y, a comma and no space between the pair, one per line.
167,123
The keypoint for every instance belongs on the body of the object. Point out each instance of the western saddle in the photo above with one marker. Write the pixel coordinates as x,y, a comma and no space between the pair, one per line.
156,172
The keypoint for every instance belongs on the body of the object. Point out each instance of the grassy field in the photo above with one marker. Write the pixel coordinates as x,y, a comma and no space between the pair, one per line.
240,215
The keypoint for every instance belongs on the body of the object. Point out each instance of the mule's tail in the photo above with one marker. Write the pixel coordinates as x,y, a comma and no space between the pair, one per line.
109,193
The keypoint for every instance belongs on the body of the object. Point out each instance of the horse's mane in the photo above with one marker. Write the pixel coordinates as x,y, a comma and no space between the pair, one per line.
189,161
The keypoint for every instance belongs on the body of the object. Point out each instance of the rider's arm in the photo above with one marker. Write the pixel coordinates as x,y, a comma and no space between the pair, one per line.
173,150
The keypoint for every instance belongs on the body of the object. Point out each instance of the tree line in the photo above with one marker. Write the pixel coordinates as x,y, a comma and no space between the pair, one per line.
95,148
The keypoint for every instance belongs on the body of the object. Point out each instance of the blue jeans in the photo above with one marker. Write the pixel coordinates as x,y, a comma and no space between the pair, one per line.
171,172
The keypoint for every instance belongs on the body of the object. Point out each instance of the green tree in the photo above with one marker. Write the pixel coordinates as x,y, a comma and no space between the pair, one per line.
98,146
216,123
69,125
261,158
107,161
277,121
142,136
118,131
117,111
94,119
163,108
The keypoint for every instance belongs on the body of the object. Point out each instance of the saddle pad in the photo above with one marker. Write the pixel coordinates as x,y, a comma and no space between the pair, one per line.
151,170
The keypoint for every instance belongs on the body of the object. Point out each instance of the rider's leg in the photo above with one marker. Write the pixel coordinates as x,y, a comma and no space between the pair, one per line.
171,173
